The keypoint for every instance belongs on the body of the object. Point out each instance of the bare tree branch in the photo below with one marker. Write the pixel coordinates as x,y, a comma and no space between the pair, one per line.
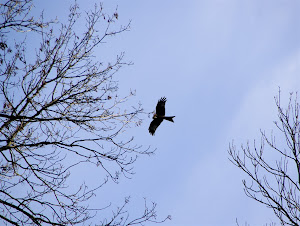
60,110
274,182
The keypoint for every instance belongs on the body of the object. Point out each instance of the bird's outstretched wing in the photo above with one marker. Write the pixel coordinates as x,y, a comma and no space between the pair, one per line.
160,107
154,124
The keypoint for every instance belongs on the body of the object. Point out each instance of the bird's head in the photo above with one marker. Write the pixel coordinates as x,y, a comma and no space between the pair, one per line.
154,116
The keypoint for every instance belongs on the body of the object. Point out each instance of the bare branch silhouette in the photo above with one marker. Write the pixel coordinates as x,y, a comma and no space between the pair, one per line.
273,167
60,110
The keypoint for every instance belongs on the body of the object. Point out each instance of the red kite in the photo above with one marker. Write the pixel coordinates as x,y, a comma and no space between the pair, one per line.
159,116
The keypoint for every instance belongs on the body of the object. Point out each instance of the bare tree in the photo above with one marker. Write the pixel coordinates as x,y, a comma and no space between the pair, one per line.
60,110
274,167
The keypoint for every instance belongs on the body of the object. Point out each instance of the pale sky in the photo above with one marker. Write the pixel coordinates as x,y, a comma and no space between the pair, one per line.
219,63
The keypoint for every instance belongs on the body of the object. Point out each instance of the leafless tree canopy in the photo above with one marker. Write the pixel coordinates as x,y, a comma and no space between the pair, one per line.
59,109
273,166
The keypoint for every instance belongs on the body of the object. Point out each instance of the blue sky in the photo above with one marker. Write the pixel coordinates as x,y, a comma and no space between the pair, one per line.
219,63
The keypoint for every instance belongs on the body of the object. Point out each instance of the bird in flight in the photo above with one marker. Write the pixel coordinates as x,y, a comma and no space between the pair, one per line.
159,116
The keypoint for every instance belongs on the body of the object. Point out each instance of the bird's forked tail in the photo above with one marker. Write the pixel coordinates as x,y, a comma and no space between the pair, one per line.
169,118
